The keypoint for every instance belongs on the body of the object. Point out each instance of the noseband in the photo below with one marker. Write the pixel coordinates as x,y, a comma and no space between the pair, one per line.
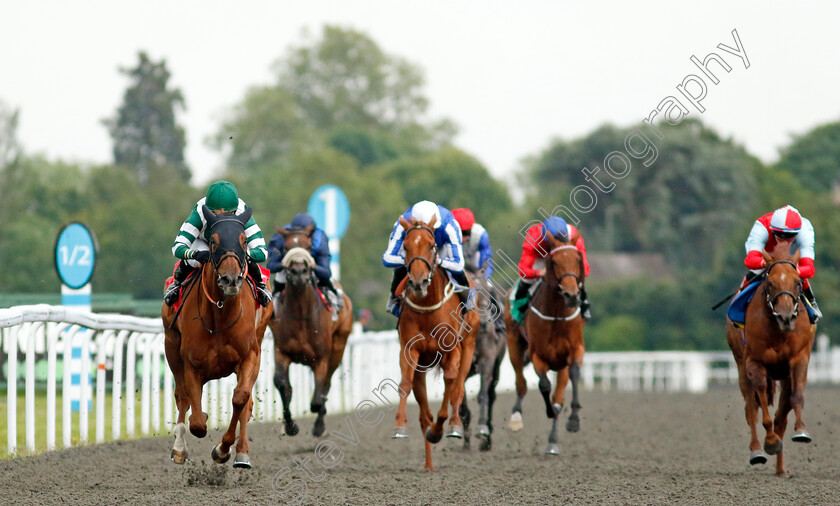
771,301
423,259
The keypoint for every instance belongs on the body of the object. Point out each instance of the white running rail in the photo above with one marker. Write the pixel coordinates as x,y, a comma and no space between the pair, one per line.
125,345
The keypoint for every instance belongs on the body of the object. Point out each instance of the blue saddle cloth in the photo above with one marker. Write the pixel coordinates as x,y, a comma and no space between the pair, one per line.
738,308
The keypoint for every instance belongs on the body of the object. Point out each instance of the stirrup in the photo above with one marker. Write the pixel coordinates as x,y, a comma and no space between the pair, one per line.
393,306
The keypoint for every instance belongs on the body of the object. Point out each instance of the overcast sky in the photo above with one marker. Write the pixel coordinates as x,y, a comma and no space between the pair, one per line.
512,75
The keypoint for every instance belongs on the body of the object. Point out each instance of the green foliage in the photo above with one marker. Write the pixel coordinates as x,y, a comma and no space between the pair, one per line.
617,333
815,157
145,132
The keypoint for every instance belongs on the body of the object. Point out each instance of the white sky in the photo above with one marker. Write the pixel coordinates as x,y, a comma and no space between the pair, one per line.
512,75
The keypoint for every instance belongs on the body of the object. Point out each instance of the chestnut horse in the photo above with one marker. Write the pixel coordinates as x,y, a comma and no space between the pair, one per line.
551,337
775,345
217,331
305,331
434,331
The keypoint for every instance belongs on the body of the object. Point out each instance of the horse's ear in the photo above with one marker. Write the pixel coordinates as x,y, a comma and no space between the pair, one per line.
795,258
245,216
575,237
404,224
553,242
767,257
309,230
432,222
208,214
283,231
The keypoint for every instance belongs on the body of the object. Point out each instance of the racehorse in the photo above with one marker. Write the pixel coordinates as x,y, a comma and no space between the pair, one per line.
487,361
216,330
434,331
305,331
774,345
551,337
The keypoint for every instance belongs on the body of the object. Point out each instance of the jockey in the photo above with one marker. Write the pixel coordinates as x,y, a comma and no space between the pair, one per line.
191,247
450,252
536,247
784,227
479,255
320,252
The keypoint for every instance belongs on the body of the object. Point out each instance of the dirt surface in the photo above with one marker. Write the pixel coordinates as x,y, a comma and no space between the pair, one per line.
632,449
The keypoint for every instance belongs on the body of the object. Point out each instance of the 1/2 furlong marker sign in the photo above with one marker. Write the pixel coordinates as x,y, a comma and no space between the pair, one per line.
331,211
75,253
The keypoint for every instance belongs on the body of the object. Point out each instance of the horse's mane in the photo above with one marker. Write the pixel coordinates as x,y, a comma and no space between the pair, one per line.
298,254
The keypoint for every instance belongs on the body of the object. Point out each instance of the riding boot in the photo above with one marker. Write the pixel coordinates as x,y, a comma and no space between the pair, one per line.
584,304
466,296
182,271
393,305
520,301
812,300
333,295
499,319
263,295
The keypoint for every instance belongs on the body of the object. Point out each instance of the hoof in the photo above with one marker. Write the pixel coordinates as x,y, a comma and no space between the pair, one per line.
552,449
218,458
515,423
801,437
291,428
241,461
318,429
432,438
773,449
198,432
455,431
399,433
573,423
485,443
179,457
758,457
482,430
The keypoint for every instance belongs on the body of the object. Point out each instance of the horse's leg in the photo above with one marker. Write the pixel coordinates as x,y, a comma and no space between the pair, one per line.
552,411
242,460
450,365
245,376
462,359
179,453
193,383
466,416
799,377
516,352
573,423
419,384
757,376
319,397
757,455
284,386
486,368
406,382
491,399
780,422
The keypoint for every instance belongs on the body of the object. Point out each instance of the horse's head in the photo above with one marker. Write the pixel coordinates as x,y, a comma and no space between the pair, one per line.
420,254
564,269
297,261
227,248
782,287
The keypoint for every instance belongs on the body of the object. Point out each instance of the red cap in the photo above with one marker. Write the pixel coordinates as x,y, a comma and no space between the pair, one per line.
464,217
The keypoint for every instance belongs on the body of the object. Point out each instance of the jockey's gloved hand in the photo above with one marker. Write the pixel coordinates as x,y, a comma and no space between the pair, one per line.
754,260
200,256
438,260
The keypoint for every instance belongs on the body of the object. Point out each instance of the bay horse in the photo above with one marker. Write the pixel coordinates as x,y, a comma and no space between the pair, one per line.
217,330
433,331
489,353
551,337
305,331
774,345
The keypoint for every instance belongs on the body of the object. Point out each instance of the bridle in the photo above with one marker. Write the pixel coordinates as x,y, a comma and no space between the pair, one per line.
429,264
558,287
241,261
771,301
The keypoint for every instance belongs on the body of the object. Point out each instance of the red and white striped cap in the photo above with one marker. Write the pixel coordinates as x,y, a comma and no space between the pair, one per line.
786,220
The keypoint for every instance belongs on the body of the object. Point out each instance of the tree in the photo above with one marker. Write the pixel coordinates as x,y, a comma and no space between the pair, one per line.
813,158
145,131
346,78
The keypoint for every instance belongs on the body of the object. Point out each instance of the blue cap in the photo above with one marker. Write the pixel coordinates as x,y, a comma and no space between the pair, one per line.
557,227
302,220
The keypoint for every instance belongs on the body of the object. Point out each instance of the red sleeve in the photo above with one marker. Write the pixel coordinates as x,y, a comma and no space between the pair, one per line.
529,252
806,268
582,248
